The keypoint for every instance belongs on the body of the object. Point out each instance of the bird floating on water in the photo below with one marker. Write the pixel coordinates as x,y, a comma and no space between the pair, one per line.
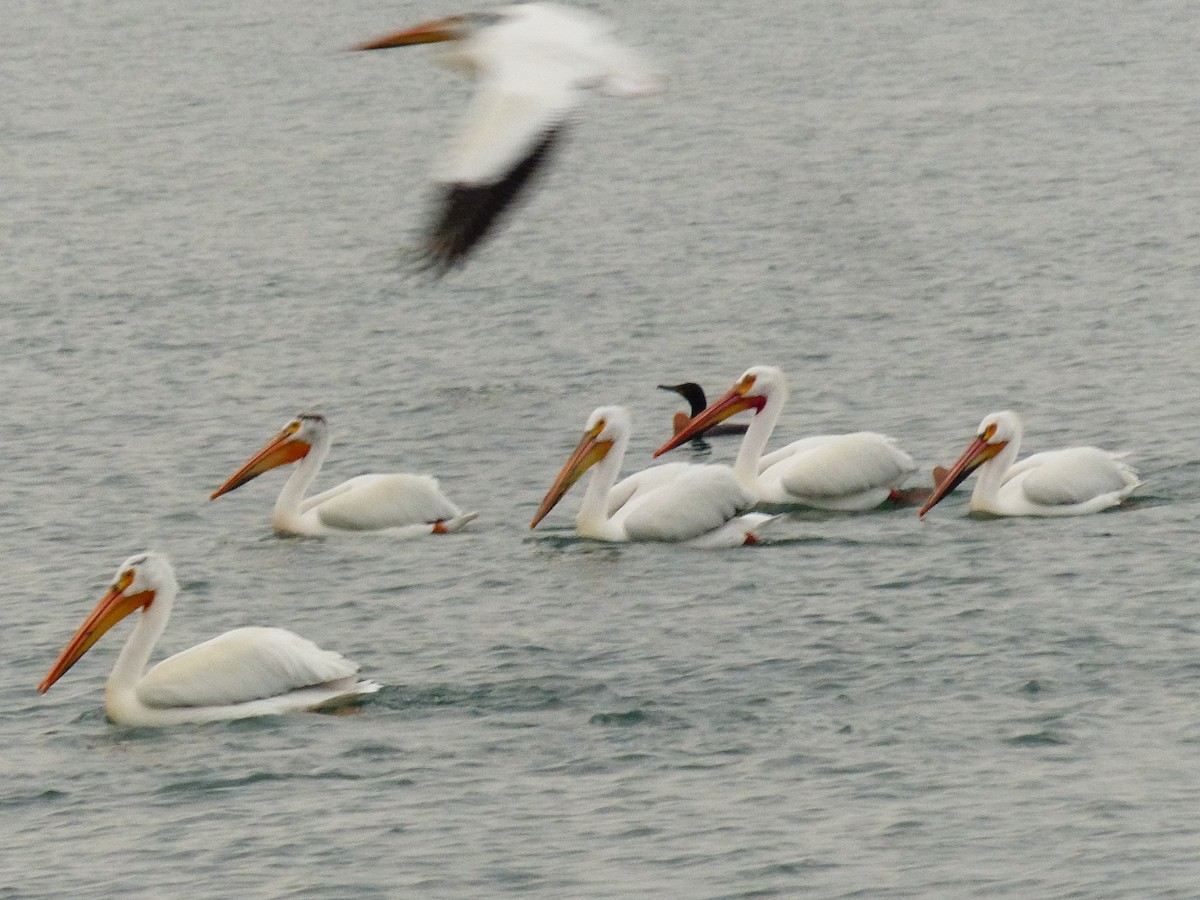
242,673
1070,482
694,395
848,472
532,62
408,504
700,504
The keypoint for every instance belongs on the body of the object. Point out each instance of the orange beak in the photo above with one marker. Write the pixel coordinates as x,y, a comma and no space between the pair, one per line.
427,33
734,401
979,452
282,449
112,608
589,452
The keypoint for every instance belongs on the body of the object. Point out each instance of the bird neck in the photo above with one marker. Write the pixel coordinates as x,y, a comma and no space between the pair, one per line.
593,519
286,515
135,655
993,474
745,467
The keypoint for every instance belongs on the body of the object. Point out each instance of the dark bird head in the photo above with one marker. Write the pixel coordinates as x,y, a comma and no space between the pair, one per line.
689,391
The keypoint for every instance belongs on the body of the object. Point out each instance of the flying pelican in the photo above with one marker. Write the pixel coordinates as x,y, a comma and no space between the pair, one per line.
245,672
849,472
532,62
407,504
674,502
694,395
1069,482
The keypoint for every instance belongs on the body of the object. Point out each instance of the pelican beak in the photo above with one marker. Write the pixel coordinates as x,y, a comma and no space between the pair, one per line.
737,399
448,29
979,452
282,449
112,608
589,452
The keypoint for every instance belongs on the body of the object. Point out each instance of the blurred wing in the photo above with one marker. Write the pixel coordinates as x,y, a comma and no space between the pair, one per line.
584,42
239,666
1067,477
373,502
626,74
696,502
512,123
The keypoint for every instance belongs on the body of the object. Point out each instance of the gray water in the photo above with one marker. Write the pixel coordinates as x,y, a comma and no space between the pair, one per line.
921,211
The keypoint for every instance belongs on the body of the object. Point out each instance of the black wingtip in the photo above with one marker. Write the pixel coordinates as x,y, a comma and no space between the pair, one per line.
468,213
419,262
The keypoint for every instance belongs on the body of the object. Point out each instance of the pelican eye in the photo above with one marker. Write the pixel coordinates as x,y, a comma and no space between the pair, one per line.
989,432
747,383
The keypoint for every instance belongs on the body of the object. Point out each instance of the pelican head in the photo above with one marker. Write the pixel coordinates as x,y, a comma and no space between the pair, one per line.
292,443
137,581
757,385
996,431
605,428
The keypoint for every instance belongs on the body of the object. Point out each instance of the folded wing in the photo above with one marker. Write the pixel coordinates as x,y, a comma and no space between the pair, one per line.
697,501
373,502
239,666
844,464
1072,476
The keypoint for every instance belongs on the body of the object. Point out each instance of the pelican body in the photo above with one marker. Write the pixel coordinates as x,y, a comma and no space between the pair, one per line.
700,505
407,504
532,62
1071,482
847,472
243,673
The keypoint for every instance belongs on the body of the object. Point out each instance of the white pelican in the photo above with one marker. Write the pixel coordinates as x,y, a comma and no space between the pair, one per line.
407,504
245,672
849,472
674,502
532,62
694,395
1069,482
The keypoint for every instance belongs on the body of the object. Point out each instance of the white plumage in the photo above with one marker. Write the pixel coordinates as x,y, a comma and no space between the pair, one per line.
242,673
1071,482
850,472
255,664
702,505
405,504
532,62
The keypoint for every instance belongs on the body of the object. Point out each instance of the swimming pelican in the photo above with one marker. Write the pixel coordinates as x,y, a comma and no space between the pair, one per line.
245,672
674,502
849,472
694,395
406,504
532,62
1069,482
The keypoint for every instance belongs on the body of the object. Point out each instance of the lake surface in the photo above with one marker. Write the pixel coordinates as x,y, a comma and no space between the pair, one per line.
921,211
